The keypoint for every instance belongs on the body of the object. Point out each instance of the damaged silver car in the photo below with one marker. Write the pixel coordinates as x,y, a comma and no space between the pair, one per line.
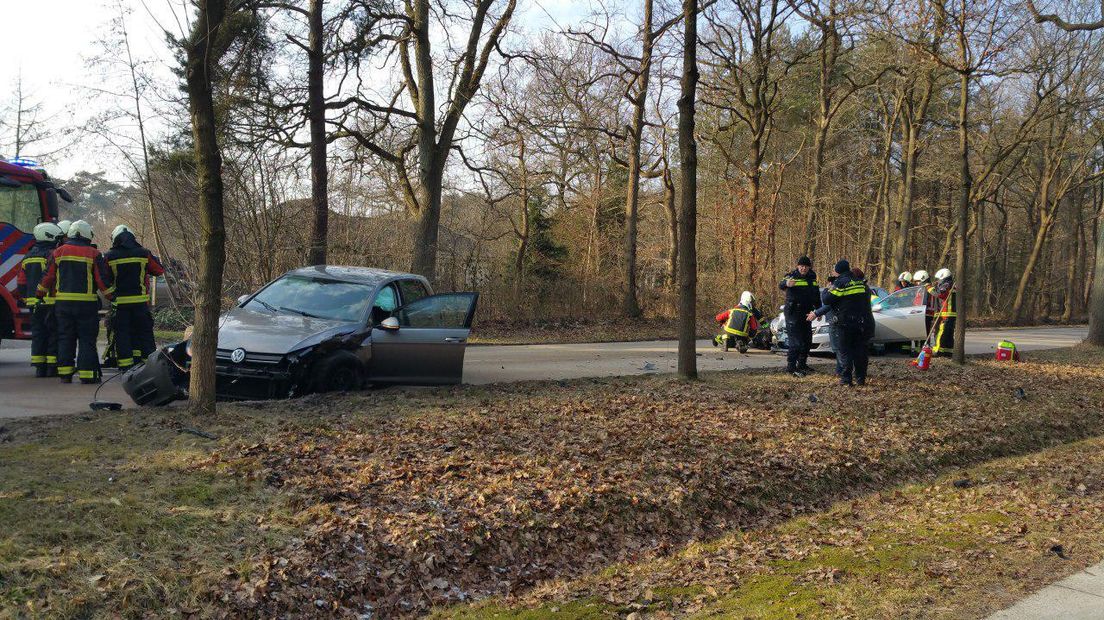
323,329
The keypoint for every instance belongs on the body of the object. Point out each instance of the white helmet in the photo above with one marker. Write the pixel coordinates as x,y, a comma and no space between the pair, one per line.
942,274
64,226
80,228
920,277
47,231
120,229
747,299
905,277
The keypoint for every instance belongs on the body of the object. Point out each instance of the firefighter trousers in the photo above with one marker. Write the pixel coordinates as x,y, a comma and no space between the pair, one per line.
44,344
944,336
78,327
133,333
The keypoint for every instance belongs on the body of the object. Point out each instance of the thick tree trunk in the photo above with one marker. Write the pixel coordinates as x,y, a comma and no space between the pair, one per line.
427,226
1096,299
198,75
962,273
688,209
316,108
815,188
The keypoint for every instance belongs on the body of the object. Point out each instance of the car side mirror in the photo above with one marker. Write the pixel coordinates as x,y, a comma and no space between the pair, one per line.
390,324
241,300
876,307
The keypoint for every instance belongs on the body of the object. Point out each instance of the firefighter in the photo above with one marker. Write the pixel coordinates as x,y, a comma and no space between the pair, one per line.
43,323
740,324
920,278
131,266
802,296
849,298
64,226
75,271
903,281
946,313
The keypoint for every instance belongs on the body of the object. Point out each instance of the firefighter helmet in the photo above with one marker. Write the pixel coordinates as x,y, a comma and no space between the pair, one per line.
64,226
920,277
747,299
47,231
120,229
942,274
81,228
905,277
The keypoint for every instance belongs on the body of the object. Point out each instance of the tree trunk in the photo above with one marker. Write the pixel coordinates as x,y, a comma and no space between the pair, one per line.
670,202
1096,300
688,211
815,188
316,108
523,238
962,275
198,76
630,304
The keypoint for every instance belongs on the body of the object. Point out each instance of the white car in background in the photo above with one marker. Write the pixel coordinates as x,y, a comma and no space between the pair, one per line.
898,320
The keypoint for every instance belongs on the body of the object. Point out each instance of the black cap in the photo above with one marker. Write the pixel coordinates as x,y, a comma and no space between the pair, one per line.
843,266
804,260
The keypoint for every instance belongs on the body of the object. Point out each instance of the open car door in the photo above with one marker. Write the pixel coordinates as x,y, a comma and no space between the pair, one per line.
899,316
427,345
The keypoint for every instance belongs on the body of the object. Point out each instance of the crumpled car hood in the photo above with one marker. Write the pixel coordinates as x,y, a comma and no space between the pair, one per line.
264,332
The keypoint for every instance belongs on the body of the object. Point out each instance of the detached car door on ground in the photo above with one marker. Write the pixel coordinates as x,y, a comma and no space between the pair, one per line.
424,341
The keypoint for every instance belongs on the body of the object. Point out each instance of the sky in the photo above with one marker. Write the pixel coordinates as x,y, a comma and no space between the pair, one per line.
49,42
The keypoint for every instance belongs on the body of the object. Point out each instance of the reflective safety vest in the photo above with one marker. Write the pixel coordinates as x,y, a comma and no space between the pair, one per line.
739,321
948,310
854,287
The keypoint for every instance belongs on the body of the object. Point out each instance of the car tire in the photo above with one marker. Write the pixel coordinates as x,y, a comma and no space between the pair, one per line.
339,371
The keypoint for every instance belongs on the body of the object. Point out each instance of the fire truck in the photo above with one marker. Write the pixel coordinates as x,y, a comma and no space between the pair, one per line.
27,198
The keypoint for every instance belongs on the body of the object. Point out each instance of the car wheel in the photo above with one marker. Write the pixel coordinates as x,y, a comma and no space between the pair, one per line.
340,371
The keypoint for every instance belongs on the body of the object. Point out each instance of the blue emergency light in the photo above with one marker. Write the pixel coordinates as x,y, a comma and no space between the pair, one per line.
23,162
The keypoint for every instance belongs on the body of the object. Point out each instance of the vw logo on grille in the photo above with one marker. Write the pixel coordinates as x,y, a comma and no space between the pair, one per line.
237,356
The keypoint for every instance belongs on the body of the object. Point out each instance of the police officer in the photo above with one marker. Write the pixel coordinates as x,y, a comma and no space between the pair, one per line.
77,270
849,299
131,266
43,323
945,303
802,297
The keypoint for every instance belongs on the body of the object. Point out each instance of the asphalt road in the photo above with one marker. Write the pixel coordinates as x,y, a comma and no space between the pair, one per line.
22,395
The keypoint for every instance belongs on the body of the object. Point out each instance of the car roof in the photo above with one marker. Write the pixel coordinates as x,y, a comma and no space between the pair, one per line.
358,275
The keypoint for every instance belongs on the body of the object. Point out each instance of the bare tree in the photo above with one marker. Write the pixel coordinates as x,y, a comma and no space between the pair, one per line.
1063,24
688,206
427,135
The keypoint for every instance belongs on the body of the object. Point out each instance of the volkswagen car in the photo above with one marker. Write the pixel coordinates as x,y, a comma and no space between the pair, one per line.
327,328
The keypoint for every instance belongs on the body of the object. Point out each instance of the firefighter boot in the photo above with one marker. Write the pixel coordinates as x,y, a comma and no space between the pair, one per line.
40,370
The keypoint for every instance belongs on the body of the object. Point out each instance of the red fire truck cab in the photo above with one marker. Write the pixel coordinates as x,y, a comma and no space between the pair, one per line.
27,198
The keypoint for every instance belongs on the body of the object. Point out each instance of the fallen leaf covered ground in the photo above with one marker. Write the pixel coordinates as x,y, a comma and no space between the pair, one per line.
561,496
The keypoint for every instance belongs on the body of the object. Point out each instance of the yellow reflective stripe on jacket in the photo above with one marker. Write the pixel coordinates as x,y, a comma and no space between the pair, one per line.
132,299
805,283
853,289
76,297
35,260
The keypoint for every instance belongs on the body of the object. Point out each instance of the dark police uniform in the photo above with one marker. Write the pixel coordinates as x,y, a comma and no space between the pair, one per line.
801,299
77,269
131,266
44,345
849,300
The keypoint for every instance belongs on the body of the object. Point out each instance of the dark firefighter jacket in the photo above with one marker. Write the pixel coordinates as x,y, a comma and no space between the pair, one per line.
741,320
75,271
31,271
803,296
849,301
944,299
131,266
